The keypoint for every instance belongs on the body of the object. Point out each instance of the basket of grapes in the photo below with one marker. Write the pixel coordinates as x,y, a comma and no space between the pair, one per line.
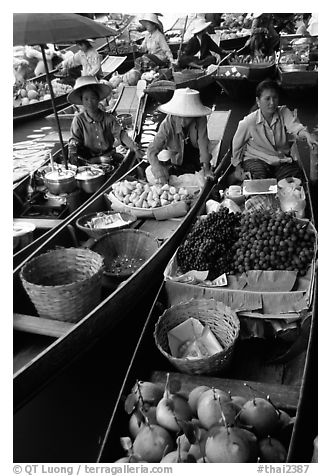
265,252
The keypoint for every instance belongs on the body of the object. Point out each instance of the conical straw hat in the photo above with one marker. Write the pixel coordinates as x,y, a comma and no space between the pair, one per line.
200,25
152,17
75,96
185,103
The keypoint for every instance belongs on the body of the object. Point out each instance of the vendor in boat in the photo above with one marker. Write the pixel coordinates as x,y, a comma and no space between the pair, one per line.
87,57
93,131
155,47
303,28
35,53
264,39
182,137
261,143
197,53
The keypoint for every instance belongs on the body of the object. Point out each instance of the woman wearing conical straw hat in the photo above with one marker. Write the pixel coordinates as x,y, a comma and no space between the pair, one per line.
198,51
155,47
182,138
93,131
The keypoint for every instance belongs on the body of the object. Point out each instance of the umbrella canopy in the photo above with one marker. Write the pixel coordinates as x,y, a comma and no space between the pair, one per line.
42,28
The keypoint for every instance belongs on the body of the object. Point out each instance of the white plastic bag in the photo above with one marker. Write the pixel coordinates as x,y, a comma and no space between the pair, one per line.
293,199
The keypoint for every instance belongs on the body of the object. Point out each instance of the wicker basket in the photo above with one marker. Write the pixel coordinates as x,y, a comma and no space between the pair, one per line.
64,284
223,322
82,223
129,243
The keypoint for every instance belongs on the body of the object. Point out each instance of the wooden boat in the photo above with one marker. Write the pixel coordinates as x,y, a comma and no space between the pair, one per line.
240,79
234,43
293,75
279,365
42,108
43,347
49,217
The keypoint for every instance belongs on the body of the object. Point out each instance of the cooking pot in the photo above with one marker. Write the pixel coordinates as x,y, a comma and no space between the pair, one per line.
125,120
60,181
90,179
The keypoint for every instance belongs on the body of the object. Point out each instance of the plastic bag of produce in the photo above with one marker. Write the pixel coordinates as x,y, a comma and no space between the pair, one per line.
293,199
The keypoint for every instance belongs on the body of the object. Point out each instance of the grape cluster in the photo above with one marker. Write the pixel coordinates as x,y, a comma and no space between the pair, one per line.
209,246
270,241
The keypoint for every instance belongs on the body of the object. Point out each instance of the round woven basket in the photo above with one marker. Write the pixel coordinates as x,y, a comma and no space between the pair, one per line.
222,321
64,284
129,243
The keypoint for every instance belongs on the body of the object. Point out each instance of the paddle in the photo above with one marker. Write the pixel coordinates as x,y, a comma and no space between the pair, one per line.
230,54
182,39
140,92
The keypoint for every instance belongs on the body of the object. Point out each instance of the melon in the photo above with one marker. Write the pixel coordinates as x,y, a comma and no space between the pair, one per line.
33,101
23,93
32,94
131,77
47,96
25,101
115,80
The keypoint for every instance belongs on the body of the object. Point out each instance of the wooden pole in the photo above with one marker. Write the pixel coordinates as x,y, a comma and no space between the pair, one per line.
64,153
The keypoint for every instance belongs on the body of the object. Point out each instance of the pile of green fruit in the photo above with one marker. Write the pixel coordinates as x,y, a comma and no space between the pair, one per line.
270,241
209,246
210,426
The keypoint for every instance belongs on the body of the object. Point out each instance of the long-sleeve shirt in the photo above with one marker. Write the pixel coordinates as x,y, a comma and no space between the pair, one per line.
256,139
93,138
171,136
156,44
90,62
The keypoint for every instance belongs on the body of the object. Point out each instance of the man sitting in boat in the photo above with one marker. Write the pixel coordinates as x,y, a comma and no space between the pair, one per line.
182,137
261,143
87,57
93,131
264,40
155,47
198,51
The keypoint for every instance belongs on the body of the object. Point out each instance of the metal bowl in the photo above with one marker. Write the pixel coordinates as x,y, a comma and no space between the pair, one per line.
83,223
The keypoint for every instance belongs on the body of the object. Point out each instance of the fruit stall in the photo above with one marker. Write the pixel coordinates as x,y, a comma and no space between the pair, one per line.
235,294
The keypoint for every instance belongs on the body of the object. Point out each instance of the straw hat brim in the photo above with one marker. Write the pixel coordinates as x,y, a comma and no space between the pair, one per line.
174,110
150,19
75,96
201,28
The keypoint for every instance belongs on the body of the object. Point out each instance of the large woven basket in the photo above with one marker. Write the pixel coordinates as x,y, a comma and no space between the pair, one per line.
130,243
64,284
223,322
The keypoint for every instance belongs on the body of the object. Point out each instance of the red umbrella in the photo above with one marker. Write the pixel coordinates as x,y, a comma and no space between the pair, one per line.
42,28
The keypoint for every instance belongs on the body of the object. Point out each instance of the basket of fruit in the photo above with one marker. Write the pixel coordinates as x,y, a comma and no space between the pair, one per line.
150,201
64,284
124,251
100,223
222,322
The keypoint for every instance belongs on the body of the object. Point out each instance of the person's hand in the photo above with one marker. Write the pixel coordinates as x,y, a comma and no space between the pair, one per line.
139,153
160,173
311,141
208,174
